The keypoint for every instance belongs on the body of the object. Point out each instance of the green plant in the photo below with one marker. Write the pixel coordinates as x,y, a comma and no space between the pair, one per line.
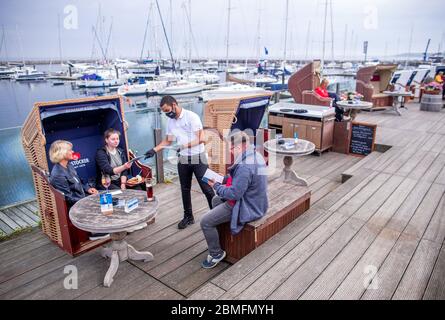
14,234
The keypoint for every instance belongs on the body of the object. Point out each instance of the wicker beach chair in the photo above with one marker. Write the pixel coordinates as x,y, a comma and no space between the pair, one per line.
372,81
82,122
221,116
302,85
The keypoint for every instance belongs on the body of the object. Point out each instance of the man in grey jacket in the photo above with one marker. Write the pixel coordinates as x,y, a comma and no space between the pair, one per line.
242,200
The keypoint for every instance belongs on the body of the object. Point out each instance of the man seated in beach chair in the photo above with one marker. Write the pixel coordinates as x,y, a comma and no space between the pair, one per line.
65,179
322,91
242,199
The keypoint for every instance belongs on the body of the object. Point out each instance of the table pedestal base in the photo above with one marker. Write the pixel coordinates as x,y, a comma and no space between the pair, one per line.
119,250
289,175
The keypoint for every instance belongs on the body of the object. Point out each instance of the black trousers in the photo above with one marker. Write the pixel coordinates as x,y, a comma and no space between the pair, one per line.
338,111
187,166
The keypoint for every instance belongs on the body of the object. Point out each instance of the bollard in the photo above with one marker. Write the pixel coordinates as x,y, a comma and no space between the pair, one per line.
159,157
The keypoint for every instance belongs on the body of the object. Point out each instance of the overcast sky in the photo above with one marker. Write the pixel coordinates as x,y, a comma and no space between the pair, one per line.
31,28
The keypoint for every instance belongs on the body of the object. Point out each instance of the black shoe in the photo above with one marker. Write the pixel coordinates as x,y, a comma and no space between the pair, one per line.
97,236
185,222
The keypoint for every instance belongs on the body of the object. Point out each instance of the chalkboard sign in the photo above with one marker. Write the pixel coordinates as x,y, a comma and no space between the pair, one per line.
362,138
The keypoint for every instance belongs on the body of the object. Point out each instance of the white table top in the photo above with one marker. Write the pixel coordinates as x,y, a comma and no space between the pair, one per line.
86,215
357,105
398,93
313,111
302,148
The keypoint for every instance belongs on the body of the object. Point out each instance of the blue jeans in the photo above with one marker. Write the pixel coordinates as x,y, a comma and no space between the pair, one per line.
221,213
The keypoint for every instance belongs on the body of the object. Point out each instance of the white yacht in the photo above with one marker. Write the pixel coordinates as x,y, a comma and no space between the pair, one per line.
182,87
201,77
148,88
29,74
7,72
231,91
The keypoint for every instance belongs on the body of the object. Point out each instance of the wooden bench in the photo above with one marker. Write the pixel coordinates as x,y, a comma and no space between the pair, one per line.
286,203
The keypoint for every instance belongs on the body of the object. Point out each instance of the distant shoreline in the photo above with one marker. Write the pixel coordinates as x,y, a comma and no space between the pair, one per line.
221,61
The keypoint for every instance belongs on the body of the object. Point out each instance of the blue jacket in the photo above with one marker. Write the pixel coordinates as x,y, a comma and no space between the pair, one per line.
249,189
68,182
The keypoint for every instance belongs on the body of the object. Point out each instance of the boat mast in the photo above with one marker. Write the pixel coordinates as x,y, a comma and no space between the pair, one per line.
346,39
324,33
332,32
409,45
108,41
4,43
93,50
308,39
20,43
166,37
285,31
190,34
228,33
258,49
60,39
171,22
145,33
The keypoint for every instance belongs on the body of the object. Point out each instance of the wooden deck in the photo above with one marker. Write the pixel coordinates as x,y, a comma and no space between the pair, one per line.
385,224
18,217
379,235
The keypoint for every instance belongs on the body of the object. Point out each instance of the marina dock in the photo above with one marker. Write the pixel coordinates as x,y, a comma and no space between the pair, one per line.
378,235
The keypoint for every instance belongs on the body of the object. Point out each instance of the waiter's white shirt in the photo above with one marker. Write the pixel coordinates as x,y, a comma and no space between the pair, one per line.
184,129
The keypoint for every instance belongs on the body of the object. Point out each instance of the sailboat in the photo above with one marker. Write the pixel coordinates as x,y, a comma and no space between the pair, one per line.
231,91
147,88
202,77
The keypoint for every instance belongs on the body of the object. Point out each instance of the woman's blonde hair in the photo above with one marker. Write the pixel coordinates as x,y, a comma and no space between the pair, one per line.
324,80
58,150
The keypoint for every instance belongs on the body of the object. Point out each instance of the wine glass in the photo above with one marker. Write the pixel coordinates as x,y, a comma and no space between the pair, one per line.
106,181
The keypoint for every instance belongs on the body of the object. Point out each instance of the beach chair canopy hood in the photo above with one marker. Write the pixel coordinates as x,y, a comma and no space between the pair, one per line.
83,124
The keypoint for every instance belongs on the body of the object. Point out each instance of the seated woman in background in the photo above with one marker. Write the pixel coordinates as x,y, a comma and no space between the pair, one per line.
112,160
65,179
322,91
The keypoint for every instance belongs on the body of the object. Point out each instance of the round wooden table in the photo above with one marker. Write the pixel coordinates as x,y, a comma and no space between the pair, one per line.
86,215
354,106
302,148
398,95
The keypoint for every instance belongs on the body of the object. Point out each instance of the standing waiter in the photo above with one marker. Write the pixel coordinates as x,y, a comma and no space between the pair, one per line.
186,127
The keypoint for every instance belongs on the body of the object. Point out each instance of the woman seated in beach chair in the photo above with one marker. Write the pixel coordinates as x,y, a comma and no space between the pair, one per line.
322,91
65,179
112,161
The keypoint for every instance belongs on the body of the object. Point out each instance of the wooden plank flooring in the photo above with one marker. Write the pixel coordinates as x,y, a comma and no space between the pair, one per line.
18,217
379,235
31,267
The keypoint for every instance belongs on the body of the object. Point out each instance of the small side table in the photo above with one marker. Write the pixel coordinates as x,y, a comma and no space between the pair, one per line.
302,148
398,96
354,106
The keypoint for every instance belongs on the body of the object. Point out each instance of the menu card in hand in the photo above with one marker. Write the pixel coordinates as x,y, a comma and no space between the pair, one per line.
212,175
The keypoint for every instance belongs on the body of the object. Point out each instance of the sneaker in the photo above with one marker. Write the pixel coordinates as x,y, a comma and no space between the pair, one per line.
211,262
185,222
97,236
